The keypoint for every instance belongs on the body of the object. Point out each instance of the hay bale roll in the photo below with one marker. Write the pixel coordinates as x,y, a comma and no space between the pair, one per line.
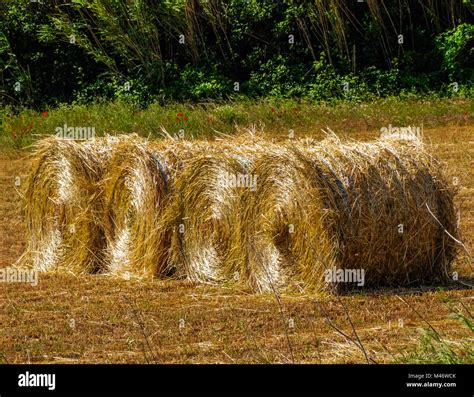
202,213
136,187
277,221
356,206
63,231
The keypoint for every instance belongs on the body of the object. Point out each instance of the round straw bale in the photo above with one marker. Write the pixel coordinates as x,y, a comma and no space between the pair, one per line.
63,232
139,178
277,220
359,207
390,225
135,186
202,211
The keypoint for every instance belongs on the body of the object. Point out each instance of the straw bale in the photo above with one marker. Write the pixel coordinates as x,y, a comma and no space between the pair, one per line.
136,187
203,212
61,212
355,206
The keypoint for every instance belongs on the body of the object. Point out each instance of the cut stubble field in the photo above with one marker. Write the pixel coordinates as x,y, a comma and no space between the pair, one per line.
98,319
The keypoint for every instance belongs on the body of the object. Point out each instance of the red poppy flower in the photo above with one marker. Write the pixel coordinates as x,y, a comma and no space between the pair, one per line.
185,119
273,110
180,115
44,114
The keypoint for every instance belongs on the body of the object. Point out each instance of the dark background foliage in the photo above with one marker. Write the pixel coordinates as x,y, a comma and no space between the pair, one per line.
79,51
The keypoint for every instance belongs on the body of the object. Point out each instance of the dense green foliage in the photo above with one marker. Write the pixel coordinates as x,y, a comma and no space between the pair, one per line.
147,51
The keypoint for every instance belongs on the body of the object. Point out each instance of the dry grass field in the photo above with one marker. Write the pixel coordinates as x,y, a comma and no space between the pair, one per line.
97,319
